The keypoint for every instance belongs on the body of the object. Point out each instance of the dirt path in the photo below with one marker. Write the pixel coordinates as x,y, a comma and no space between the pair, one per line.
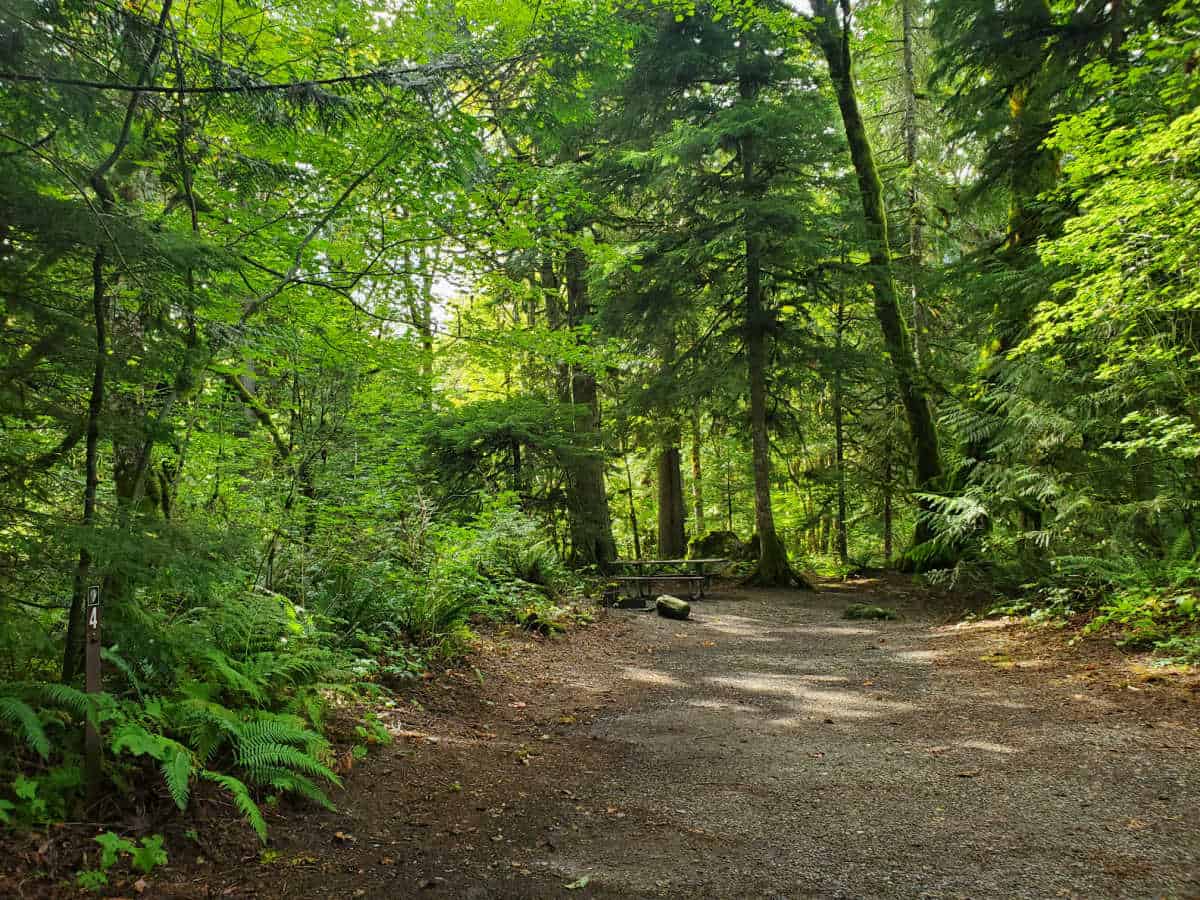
767,748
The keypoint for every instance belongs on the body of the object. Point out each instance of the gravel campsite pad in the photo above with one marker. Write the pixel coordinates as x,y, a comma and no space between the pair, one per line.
766,747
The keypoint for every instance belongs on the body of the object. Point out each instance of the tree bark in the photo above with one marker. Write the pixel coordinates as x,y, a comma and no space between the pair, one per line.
700,527
420,312
888,542
672,542
773,569
839,435
98,179
554,319
834,40
633,519
916,236
591,526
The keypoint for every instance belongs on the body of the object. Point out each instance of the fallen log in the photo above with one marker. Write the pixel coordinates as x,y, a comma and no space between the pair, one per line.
672,607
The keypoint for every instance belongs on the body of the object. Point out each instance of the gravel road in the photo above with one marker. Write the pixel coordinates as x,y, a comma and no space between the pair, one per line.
765,748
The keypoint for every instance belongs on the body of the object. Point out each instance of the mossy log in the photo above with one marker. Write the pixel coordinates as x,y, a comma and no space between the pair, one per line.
672,607
867,611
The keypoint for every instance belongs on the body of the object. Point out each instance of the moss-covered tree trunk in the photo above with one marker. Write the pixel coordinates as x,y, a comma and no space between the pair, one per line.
591,526
833,36
839,433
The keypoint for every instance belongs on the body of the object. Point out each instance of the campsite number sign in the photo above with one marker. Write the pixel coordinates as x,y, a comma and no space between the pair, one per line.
93,613
92,681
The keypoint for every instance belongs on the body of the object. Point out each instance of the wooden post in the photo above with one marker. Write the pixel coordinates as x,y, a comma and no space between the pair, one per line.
91,741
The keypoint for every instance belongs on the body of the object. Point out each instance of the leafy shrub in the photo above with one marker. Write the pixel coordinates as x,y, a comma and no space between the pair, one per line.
25,708
144,858
1165,622
434,615
497,565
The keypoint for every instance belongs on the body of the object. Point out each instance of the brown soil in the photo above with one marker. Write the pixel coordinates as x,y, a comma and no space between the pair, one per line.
764,748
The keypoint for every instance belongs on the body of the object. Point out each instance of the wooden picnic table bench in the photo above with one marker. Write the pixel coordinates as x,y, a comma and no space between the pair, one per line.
646,585
696,579
697,567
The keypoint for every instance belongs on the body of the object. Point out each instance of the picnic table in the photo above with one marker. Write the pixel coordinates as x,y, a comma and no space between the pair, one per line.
697,577
694,566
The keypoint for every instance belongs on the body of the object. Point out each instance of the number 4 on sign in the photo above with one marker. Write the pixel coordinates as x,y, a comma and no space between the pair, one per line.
93,611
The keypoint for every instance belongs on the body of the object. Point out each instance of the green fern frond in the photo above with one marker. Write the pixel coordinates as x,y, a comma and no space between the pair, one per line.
257,757
207,725
241,798
289,782
177,770
23,720
308,704
291,668
51,694
118,662
225,671
282,729
63,696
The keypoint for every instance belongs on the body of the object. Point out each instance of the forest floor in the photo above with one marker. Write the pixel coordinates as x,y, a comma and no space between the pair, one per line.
765,748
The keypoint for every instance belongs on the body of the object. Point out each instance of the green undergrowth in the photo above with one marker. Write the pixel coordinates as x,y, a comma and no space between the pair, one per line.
236,691
1142,606
867,611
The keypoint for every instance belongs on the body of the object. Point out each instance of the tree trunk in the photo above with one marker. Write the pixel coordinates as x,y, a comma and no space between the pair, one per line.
554,319
591,528
421,316
633,519
843,550
728,500
700,528
835,44
916,237
887,503
773,569
73,650
672,542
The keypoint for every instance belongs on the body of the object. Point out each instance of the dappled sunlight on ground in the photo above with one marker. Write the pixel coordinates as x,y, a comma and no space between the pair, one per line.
722,706
650,677
828,630
919,656
738,626
806,698
987,747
